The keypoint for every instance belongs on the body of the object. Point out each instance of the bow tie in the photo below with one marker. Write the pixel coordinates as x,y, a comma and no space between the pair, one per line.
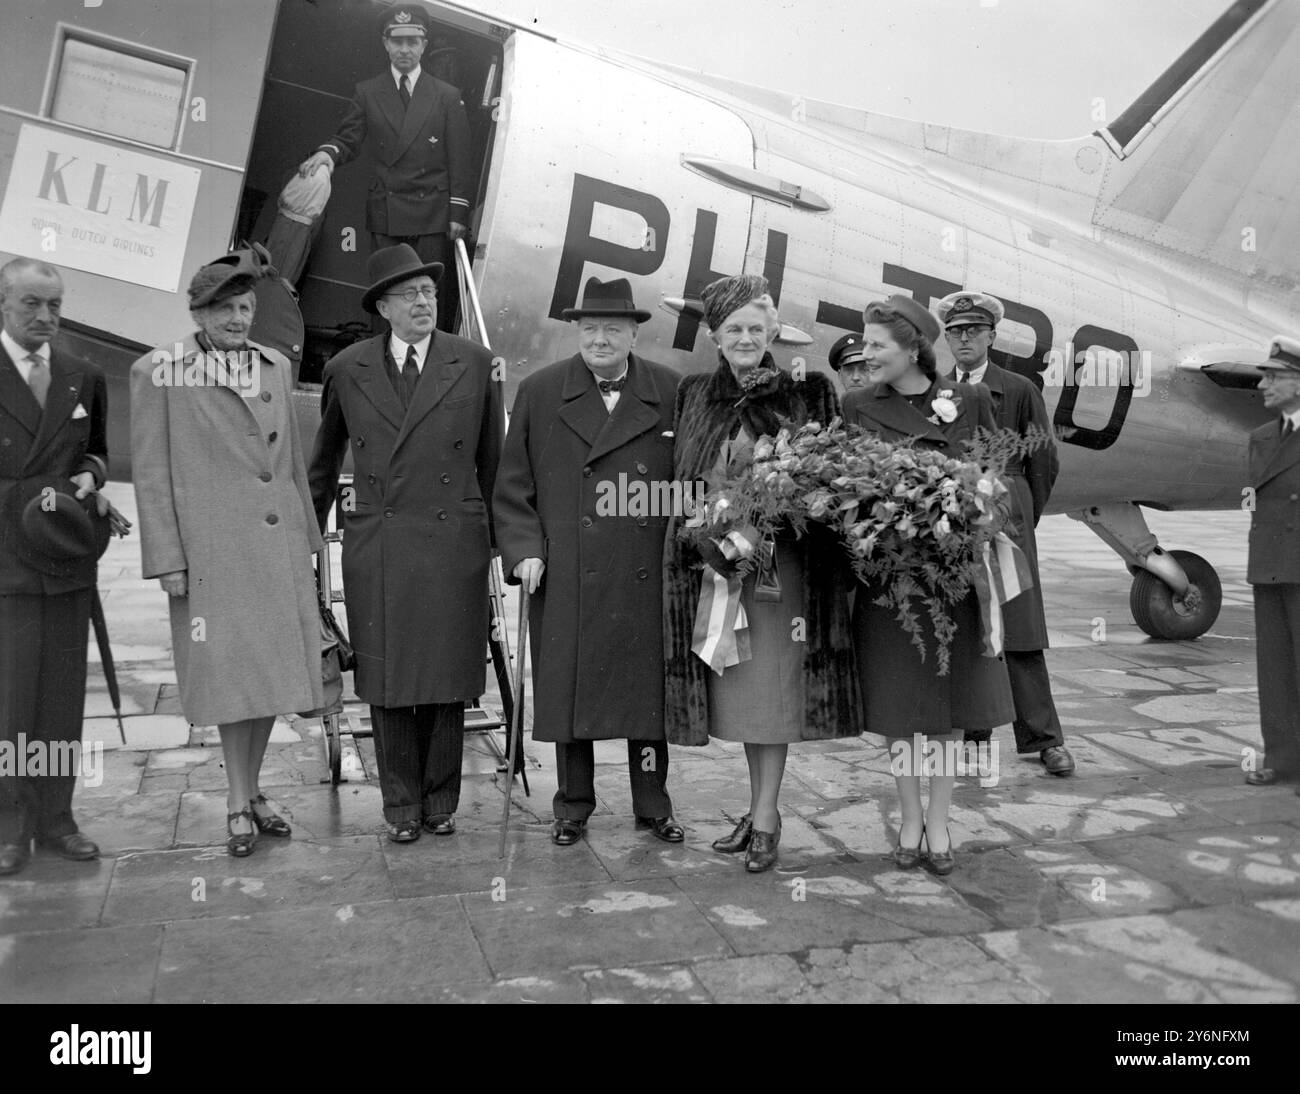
606,386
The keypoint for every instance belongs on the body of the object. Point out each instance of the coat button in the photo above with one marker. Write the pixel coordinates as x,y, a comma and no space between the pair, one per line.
444,478
642,522
361,442
272,519
642,573
586,522
370,479
388,512
459,444
266,396
1295,497
265,476
271,438
5,441
586,472
641,469
442,514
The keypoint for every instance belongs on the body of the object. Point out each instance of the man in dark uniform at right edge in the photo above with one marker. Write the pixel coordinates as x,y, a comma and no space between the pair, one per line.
1273,565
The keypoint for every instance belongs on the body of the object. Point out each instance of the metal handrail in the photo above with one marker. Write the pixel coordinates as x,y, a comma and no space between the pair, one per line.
471,316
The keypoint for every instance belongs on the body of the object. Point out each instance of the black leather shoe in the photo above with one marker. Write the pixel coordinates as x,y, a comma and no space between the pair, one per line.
566,832
762,850
444,825
907,858
240,844
1057,760
1265,776
75,847
739,838
941,863
404,831
664,828
13,857
270,824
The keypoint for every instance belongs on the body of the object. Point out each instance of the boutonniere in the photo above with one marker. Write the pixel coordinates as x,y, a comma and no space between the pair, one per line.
944,407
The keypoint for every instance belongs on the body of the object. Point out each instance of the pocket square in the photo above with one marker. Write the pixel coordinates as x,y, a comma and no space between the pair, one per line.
80,412
433,140
666,433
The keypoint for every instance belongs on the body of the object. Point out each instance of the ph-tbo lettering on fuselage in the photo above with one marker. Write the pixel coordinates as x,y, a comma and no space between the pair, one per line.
581,247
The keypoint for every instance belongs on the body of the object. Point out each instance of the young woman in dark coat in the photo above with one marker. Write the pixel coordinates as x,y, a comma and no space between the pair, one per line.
906,700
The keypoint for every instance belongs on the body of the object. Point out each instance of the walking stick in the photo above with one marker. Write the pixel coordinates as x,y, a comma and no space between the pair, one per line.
516,715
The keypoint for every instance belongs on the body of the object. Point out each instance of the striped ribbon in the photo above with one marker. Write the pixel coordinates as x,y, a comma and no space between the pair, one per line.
721,635
1005,574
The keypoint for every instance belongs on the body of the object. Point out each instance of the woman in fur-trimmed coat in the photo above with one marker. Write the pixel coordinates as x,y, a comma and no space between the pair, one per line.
800,682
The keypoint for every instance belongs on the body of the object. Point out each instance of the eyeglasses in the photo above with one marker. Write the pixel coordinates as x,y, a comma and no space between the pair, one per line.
963,334
430,294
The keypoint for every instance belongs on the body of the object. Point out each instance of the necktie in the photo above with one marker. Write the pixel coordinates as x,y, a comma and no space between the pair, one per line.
38,379
410,374
1288,427
606,386
963,377
405,92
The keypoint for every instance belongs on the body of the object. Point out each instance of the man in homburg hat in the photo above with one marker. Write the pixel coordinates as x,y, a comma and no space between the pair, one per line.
1273,565
421,410
970,322
582,505
413,127
53,456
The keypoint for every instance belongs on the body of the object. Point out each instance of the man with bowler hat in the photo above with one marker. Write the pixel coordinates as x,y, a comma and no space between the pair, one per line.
1273,564
421,411
970,322
413,127
53,457
581,516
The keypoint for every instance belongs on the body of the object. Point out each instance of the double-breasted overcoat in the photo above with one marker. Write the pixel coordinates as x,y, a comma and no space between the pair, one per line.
417,527
589,491
221,489
1018,406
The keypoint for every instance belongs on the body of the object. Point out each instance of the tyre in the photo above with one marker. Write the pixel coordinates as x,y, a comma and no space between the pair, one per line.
1161,614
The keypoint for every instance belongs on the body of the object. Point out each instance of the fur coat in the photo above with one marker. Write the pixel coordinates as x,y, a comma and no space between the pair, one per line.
710,409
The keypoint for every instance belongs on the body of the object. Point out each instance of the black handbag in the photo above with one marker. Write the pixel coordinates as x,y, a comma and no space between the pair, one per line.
337,657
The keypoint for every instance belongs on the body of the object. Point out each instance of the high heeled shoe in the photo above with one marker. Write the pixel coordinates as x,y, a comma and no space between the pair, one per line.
762,849
739,838
941,863
272,825
240,844
907,858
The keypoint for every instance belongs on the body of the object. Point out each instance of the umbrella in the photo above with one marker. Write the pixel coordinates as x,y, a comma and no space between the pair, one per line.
106,658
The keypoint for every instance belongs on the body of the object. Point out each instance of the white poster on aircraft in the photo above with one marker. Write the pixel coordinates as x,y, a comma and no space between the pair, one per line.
94,206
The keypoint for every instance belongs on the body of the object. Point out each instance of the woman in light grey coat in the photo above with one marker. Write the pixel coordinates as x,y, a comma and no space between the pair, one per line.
227,527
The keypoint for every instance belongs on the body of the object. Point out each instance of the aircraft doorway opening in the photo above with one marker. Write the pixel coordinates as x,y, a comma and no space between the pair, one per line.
320,51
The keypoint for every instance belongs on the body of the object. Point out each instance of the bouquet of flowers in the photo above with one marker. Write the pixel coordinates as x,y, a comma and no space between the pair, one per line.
914,522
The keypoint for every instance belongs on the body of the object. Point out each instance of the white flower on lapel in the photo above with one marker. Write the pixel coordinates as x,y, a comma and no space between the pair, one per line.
945,409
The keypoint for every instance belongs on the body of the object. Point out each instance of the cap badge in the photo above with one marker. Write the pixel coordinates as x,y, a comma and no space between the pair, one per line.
962,303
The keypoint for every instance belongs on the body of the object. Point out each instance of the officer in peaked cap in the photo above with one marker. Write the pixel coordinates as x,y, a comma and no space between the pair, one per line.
414,129
970,322
845,357
1273,564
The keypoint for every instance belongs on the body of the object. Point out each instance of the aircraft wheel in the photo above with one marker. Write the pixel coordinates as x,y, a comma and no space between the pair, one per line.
1161,614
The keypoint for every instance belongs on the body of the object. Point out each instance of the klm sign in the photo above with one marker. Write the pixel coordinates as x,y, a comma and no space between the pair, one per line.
96,206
